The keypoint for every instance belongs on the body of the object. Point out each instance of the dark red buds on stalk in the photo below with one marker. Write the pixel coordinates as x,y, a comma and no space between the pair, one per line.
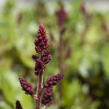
18,105
44,95
41,45
41,42
27,87
34,57
53,80
39,66
61,16
45,56
84,11
47,97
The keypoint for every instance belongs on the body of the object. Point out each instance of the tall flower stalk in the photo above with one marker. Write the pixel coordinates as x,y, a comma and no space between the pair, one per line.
44,92
61,46
62,17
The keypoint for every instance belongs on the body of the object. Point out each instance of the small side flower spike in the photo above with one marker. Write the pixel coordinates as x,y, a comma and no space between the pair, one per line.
53,80
47,97
27,87
18,105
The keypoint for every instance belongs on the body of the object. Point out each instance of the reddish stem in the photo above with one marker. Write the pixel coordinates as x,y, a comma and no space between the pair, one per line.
39,88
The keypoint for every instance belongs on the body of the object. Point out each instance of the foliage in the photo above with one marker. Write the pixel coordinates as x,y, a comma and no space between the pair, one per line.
86,81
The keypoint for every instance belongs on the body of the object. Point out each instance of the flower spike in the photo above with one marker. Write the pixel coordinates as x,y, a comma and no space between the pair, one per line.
27,87
18,105
53,80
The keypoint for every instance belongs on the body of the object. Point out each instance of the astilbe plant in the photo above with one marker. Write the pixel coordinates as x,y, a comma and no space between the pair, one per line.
44,93
62,46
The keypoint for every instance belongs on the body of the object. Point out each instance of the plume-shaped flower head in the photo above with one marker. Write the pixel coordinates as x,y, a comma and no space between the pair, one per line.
41,47
47,97
41,42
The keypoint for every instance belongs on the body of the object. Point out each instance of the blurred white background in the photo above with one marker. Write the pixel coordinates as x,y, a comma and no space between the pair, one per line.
98,5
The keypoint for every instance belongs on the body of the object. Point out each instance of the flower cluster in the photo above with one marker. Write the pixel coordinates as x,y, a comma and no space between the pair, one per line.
84,11
18,105
53,80
44,93
41,45
27,87
48,88
61,16
41,42
45,56
47,96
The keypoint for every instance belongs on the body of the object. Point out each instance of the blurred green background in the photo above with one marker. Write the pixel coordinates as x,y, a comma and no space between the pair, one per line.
79,47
